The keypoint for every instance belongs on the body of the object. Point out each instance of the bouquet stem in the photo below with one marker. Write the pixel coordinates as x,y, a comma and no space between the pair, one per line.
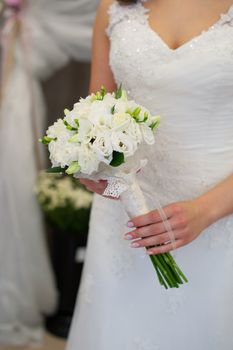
168,272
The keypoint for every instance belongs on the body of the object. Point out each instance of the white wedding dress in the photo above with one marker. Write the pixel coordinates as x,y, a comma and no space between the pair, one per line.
121,304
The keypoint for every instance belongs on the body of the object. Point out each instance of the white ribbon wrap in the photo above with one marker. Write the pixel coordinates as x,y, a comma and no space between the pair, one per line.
134,201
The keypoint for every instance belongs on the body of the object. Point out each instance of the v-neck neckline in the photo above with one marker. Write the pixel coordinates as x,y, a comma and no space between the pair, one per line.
191,40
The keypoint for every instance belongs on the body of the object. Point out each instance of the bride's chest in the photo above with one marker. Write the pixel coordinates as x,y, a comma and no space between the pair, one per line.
139,53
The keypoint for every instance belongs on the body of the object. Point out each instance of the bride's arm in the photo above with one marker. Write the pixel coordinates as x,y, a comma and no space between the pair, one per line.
187,219
101,73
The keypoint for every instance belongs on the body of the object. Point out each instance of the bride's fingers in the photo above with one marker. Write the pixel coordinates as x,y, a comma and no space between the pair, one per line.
151,218
153,229
91,183
93,186
154,240
165,248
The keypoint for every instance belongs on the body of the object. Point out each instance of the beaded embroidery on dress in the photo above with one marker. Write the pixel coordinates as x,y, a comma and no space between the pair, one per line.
121,305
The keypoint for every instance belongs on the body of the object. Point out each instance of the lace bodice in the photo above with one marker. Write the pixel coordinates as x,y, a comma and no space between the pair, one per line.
190,87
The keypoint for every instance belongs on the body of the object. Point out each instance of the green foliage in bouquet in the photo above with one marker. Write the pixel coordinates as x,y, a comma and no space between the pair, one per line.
64,201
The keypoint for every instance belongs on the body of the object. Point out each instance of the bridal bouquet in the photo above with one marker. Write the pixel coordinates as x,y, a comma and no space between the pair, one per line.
102,138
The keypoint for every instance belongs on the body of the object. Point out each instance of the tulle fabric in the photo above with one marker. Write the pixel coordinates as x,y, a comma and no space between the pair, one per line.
51,33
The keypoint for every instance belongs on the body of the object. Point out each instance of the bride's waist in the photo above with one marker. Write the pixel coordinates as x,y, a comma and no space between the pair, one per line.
180,175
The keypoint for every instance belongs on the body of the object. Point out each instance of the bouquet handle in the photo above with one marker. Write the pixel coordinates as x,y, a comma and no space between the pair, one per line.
168,272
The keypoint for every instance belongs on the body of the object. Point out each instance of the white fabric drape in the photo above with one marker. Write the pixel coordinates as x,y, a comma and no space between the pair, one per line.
52,32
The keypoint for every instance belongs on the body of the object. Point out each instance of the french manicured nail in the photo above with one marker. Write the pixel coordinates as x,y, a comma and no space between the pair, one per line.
135,245
150,252
130,224
128,237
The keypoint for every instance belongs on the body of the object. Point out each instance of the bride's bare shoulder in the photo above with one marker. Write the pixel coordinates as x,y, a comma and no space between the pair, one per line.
102,13
106,3
104,6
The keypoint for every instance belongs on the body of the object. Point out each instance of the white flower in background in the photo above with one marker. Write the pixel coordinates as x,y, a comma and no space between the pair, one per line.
123,143
54,192
81,198
103,147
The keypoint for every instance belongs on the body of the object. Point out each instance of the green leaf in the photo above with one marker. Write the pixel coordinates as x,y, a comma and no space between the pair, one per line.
136,112
144,119
46,140
56,170
73,139
99,96
69,127
145,116
113,109
73,168
77,122
124,95
118,93
118,159
103,91
155,122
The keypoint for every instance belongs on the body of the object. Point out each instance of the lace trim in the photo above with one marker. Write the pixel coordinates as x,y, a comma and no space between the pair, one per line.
118,13
226,18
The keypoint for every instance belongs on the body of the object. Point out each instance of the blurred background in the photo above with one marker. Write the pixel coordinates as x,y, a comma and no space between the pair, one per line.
45,68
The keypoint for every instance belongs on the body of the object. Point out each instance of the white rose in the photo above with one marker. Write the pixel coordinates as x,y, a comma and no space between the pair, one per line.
82,108
58,130
85,131
87,160
103,147
109,100
84,102
121,106
134,131
62,153
121,120
148,134
100,115
70,117
123,143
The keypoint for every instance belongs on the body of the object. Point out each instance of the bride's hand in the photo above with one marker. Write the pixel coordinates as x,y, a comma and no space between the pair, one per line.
94,186
187,220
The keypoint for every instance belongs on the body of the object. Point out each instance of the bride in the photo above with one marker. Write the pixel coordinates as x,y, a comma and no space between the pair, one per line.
176,58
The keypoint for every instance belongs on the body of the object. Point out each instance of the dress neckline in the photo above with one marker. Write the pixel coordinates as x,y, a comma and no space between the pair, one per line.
224,17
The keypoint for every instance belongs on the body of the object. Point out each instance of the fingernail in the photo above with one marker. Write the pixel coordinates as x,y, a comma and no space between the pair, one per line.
128,237
130,224
135,245
150,252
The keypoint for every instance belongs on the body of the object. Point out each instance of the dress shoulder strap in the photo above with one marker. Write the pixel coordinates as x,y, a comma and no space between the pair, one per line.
119,12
